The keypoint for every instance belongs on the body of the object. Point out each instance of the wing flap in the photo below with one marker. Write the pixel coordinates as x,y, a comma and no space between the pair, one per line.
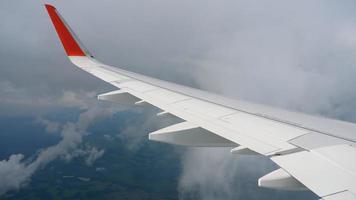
119,96
280,179
188,134
325,171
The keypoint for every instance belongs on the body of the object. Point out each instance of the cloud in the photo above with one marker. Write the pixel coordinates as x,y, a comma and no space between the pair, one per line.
51,126
90,154
208,173
17,171
275,54
13,173
135,130
93,155
19,100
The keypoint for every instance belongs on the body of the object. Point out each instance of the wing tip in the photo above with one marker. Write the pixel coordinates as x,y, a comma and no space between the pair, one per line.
49,6
70,43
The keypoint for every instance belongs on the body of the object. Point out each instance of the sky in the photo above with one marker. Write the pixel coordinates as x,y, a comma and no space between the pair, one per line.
298,55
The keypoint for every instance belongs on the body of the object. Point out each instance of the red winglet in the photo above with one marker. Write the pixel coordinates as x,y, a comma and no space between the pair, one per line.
70,45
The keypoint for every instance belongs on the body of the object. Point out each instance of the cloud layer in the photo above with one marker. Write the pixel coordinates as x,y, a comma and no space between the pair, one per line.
17,171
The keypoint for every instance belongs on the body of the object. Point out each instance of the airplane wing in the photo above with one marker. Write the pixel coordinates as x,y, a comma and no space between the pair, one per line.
312,152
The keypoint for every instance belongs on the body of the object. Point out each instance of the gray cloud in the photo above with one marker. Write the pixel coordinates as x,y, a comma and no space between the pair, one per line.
51,126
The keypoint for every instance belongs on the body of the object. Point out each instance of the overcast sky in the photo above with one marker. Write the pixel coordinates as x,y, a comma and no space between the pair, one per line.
298,55
294,54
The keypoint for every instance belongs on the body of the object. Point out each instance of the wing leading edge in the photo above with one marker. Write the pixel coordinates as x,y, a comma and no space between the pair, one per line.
289,139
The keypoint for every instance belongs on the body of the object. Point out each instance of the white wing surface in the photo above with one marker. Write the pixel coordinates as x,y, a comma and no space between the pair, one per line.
313,152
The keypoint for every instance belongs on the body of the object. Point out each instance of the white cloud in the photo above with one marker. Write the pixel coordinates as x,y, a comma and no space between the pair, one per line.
16,172
89,153
93,155
208,173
